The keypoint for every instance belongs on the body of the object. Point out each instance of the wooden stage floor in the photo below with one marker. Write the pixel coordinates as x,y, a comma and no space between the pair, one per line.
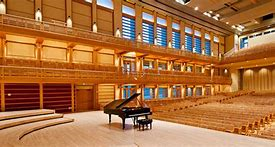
92,129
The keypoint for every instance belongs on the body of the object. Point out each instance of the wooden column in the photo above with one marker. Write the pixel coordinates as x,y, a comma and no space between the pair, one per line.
138,12
95,54
117,15
183,91
94,11
156,92
156,64
37,4
182,33
73,97
155,26
2,97
169,30
203,90
169,91
68,9
203,41
212,44
193,37
117,91
41,95
194,90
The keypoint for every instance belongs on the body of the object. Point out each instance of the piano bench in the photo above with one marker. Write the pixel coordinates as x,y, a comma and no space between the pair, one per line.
144,122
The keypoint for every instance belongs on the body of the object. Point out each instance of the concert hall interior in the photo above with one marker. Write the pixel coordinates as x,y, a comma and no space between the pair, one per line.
137,73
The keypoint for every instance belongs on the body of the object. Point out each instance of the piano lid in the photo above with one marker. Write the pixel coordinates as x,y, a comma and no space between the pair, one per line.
126,101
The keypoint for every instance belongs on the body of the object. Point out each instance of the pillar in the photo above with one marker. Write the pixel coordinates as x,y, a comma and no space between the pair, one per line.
95,54
138,12
117,15
183,91
68,8
169,91
203,90
203,41
41,95
117,91
155,26
94,11
169,30
156,91
194,90
73,97
182,34
2,97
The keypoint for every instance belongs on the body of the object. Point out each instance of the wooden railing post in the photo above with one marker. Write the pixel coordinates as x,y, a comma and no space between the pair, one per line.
2,97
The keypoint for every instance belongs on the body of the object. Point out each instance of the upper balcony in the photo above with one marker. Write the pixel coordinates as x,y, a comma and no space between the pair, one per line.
16,24
19,70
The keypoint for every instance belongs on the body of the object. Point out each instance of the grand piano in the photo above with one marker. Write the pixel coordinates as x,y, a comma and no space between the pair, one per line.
118,107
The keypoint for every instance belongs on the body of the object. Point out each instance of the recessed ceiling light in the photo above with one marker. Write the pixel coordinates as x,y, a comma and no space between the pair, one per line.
265,58
256,65
196,8
227,22
210,12
273,63
234,27
218,15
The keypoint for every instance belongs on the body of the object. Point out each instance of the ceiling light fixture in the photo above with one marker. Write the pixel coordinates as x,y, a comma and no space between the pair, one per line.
196,8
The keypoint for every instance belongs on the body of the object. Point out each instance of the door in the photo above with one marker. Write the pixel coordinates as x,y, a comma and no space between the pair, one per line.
84,100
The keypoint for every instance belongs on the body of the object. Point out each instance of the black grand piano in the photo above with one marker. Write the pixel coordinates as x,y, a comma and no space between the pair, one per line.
118,107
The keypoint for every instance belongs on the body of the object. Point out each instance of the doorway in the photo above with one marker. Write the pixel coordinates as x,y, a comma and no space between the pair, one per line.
85,100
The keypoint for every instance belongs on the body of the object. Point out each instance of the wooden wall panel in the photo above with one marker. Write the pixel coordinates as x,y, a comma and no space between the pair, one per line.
24,8
83,56
52,53
259,79
105,21
53,10
84,99
21,96
20,50
105,59
81,16
106,94
57,97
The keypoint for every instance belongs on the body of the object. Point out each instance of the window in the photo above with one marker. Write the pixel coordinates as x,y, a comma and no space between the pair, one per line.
128,91
149,93
176,91
189,91
188,39
148,28
198,91
162,66
163,93
176,36
177,67
207,45
244,42
197,41
148,64
161,32
106,3
128,23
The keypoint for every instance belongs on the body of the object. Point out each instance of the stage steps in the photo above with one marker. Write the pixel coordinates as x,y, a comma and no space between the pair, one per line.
25,113
28,121
24,120
45,124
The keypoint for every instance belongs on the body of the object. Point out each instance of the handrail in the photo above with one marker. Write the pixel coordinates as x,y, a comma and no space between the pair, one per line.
17,21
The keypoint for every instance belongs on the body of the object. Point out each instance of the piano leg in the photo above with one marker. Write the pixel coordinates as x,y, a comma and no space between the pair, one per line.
110,117
123,124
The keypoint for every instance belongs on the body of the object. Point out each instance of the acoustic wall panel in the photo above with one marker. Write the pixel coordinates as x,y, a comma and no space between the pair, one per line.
21,96
53,10
58,97
106,93
81,16
24,8
105,20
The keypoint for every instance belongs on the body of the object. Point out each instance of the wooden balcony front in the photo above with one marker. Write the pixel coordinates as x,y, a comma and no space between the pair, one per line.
18,71
26,26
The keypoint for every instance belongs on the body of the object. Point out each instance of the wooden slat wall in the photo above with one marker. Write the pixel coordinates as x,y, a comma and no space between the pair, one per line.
53,10
23,8
57,97
106,94
105,20
21,96
81,16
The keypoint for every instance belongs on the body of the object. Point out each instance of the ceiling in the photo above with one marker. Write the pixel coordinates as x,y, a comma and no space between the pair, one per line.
249,13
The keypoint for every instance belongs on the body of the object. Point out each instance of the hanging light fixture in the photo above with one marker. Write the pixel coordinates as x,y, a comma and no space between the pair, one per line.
38,15
2,7
69,22
95,27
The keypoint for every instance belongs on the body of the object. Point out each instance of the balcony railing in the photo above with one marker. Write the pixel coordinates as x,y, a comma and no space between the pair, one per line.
104,39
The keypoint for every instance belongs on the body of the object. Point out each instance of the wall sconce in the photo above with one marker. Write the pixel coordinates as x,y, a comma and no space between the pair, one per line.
170,44
69,22
156,41
118,33
95,27
212,53
182,47
139,37
38,15
203,51
2,7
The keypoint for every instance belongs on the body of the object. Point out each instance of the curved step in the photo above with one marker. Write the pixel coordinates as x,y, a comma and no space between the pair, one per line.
26,113
20,121
46,125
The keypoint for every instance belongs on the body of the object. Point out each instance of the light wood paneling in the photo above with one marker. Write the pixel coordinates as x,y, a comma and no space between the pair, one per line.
23,8
60,54
106,93
105,20
105,59
53,10
81,15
